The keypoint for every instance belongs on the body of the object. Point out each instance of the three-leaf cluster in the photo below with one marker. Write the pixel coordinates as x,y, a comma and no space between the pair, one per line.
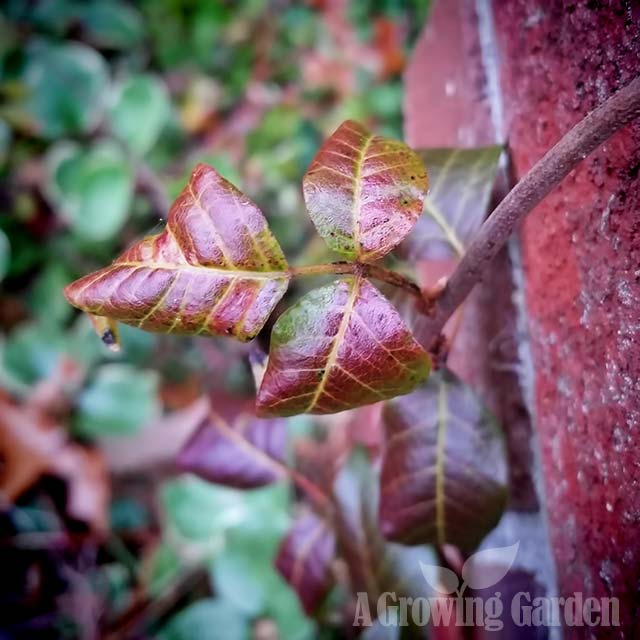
216,269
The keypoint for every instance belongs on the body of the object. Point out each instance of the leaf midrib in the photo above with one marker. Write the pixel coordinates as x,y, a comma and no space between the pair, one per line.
440,453
357,196
337,342
227,273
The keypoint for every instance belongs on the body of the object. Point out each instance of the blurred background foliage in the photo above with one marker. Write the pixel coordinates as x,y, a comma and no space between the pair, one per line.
105,108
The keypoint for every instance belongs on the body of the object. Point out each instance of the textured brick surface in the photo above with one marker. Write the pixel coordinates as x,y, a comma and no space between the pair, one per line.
581,253
582,265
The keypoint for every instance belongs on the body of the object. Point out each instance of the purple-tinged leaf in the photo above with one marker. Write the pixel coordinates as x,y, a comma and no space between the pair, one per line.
246,454
364,193
456,206
305,557
443,469
216,269
341,346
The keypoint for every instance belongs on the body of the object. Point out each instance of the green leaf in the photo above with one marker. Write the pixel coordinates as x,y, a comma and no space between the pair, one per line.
32,352
165,564
140,111
199,510
341,346
456,206
64,90
5,142
45,298
216,269
240,579
91,187
111,24
120,400
209,619
5,255
444,466
364,193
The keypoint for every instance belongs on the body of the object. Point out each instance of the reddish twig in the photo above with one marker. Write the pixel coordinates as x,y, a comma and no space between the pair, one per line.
364,269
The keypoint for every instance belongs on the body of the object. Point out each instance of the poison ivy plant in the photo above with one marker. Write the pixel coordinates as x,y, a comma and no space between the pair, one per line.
217,270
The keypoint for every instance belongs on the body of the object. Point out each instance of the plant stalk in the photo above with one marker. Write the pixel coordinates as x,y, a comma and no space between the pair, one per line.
365,270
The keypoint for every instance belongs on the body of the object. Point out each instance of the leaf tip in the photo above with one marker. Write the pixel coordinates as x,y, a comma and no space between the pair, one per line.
107,330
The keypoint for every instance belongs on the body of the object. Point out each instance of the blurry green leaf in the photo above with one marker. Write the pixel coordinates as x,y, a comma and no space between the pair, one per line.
82,345
120,400
138,346
52,16
278,126
164,566
5,254
32,352
284,608
64,90
140,111
115,584
46,300
243,572
385,100
5,142
241,579
200,510
91,187
112,24
209,619
460,184
244,575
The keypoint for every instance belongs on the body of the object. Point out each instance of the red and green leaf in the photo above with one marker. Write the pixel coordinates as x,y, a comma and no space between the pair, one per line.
304,559
443,469
216,269
341,346
245,454
364,192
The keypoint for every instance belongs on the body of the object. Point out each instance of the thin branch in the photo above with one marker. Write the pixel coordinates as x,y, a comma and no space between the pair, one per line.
547,173
366,270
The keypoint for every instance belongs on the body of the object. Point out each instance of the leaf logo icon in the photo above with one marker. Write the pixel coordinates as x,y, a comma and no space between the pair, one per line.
480,571
440,579
487,567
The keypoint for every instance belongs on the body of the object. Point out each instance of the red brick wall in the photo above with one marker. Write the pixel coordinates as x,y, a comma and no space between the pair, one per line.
554,61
